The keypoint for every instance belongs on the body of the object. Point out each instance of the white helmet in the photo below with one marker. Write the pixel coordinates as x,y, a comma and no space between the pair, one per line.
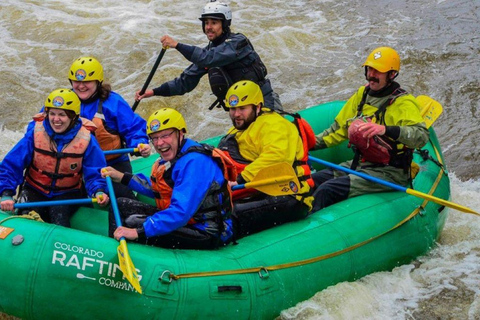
216,10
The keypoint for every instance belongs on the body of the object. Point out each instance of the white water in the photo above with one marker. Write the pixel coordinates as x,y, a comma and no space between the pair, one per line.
313,51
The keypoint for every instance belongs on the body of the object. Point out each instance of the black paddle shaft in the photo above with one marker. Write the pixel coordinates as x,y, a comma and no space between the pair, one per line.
150,76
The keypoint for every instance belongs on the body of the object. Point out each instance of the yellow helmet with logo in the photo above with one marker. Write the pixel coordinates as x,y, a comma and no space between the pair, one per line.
383,59
65,99
86,69
243,93
165,118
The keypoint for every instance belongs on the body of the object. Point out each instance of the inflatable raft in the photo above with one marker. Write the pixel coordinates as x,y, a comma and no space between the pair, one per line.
51,272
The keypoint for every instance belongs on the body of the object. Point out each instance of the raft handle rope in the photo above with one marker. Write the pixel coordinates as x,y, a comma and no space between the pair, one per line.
32,215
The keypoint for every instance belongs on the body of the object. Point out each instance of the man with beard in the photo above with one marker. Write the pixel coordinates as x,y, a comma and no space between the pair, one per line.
258,139
383,123
228,58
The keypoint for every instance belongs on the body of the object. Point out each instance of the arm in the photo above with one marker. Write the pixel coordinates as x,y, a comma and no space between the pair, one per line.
275,141
338,131
93,162
228,52
405,123
13,165
193,174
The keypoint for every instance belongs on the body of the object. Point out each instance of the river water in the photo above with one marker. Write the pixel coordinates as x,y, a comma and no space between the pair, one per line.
313,50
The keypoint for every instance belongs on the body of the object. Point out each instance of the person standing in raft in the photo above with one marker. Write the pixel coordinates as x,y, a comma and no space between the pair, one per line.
57,153
191,193
258,139
228,58
383,123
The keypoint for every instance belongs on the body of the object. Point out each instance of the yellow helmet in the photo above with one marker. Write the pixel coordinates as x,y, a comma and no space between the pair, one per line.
383,59
65,99
86,69
243,93
165,118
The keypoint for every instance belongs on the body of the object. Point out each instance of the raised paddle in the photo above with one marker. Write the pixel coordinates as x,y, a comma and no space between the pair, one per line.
276,180
54,203
395,186
150,76
124,260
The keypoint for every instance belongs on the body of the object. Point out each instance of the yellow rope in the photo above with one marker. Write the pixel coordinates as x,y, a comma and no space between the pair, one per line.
32,215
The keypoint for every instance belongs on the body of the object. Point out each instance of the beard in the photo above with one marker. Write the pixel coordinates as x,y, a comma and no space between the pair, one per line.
246,123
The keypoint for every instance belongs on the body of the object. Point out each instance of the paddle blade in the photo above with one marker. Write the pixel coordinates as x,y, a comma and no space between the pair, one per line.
431,109
276,180
441,201
127,267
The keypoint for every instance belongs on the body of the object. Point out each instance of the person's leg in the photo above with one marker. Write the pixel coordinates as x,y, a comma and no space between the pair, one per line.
60,215
330,191
132,214
28,194
255,216
186,238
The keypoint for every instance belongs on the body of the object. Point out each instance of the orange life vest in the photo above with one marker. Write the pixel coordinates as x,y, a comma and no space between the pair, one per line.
52,170
107,138
162,184
308,138
229,146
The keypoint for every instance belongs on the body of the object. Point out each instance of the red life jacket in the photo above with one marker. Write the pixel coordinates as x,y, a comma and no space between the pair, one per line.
308,139
52,170
162,184
374,150
107,138
378,150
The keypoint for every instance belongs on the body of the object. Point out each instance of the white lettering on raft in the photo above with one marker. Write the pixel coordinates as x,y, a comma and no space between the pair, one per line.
83,259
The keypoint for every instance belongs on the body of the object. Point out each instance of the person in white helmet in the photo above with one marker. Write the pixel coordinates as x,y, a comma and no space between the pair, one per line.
228,58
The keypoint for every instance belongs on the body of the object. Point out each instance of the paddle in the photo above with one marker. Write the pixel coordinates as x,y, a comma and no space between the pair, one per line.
120,151
54,203
124,260
394,186
150,76
276,180
431,110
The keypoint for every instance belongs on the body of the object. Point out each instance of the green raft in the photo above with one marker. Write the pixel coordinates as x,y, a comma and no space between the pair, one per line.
58,273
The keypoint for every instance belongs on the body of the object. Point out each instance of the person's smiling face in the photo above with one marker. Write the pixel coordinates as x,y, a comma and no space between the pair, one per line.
59,120
85,89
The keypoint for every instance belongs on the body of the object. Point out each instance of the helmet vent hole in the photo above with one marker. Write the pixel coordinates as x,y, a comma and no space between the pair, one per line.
165,122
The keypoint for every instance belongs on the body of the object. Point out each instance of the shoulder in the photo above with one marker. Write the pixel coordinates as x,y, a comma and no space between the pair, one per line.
115,100
408,101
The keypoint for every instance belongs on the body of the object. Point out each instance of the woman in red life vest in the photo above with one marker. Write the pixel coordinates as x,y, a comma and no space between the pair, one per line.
59,155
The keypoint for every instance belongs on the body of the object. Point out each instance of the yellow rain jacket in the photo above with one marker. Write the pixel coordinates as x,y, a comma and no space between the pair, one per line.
404,112
269,140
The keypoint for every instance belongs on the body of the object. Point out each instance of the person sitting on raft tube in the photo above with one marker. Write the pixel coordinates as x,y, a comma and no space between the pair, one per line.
228,58
258,139
383,123
191,193
117,125
58,152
